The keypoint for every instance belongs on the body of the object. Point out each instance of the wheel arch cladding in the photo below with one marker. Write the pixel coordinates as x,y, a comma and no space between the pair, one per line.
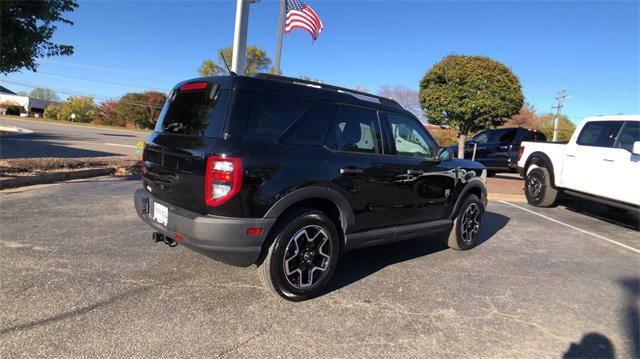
542,160
324,199
473,187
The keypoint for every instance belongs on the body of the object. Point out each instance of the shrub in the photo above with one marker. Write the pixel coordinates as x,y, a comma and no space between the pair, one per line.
52,111
77,109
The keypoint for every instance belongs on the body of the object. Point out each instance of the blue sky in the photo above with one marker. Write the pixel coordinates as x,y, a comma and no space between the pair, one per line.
589,48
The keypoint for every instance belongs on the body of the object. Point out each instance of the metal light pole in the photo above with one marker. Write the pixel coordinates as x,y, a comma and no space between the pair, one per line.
240,36
280,33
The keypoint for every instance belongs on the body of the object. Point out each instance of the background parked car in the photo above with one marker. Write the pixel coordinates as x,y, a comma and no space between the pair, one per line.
498,149
600,163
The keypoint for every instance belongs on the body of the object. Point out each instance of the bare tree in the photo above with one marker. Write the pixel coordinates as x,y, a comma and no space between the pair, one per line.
406,97
526,118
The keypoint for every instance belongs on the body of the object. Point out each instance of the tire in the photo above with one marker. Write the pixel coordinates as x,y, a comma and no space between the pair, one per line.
294,248
538,188
465,235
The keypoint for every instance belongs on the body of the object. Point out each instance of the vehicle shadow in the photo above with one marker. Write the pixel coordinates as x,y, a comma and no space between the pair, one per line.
632,312
608,214
359,264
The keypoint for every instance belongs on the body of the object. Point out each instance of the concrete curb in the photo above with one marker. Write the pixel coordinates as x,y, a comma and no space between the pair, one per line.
518,198
5,130
54,177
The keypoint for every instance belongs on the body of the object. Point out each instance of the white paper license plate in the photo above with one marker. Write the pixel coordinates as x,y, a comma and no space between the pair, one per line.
160,213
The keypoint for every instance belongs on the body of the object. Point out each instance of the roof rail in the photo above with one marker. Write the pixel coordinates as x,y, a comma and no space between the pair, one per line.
355,93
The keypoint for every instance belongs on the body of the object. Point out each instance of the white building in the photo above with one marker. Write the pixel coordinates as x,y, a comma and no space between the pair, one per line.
29,106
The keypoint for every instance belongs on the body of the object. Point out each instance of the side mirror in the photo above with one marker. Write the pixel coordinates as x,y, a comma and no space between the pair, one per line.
636,148
445,154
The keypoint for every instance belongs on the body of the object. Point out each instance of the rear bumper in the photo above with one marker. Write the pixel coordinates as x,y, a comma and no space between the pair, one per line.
222,238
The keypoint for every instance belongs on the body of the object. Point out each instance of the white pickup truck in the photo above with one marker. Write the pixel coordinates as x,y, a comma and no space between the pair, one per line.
601,162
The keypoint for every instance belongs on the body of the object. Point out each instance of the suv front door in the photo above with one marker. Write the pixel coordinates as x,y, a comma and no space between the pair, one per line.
428,187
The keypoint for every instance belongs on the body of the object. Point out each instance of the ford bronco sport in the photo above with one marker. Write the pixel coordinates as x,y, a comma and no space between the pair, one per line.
287,174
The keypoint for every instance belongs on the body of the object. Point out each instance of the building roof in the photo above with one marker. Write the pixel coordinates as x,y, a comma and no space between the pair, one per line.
6,90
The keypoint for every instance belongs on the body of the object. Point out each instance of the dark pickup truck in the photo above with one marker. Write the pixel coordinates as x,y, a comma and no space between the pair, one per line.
498,149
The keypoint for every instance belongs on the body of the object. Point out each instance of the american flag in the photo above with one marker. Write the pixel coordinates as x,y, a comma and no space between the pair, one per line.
302,16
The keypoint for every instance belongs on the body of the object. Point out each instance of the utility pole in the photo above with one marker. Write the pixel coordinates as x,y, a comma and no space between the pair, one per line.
280,33
240,36
560,97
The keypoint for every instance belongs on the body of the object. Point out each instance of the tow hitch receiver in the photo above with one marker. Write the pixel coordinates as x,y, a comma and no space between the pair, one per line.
159,237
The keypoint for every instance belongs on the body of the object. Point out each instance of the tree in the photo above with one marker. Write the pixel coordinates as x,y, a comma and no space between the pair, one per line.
565,127
141,109
77,109
469,93
52,111
44,94
22,93
27,29
526,118
256,60
405,96
107,114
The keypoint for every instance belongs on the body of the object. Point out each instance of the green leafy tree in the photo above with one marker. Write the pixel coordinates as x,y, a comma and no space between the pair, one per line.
44,94
469,93
256,60
77,109
141,109
52,111
565,127
27,29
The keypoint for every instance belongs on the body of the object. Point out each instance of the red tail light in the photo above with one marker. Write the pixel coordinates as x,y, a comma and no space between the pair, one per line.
520,151
223,179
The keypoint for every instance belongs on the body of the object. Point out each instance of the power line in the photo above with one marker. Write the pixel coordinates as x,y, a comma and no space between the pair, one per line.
94,80
74,93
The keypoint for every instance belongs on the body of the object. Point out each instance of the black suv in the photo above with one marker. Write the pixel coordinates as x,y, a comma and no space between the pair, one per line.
287,174
498,149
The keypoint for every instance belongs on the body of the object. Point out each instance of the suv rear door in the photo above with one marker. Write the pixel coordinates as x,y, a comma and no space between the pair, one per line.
361,170
187,131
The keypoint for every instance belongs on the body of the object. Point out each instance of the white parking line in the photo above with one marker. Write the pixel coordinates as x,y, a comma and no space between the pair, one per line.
574,227
119,145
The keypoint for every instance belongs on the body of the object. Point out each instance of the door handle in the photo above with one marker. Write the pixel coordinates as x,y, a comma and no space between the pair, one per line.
572,156
608,160
351,171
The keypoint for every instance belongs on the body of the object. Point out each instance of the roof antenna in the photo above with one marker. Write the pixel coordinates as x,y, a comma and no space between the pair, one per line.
227,65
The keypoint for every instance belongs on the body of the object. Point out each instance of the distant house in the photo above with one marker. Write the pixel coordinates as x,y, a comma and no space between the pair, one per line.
23,105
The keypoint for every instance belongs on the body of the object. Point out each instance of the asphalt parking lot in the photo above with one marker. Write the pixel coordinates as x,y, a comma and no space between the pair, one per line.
82,278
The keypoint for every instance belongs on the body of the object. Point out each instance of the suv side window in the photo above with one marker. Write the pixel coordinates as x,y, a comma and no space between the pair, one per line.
629,134
269,116
311,129
409,137
599,133
356,129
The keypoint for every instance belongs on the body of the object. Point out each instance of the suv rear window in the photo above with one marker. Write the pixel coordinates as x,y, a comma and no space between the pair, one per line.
270,116
194,113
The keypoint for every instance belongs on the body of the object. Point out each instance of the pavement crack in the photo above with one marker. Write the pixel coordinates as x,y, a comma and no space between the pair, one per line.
244,342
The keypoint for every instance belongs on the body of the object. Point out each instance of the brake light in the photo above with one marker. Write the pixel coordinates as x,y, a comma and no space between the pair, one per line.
223,179
142,171
520,151
194,86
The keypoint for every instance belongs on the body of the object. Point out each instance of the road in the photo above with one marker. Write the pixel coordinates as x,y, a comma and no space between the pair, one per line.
81,278
64,140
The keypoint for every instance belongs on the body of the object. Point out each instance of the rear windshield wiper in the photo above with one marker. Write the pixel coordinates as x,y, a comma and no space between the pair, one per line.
174,126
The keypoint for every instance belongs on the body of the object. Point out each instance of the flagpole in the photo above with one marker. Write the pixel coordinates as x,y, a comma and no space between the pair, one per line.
240,36
280,34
